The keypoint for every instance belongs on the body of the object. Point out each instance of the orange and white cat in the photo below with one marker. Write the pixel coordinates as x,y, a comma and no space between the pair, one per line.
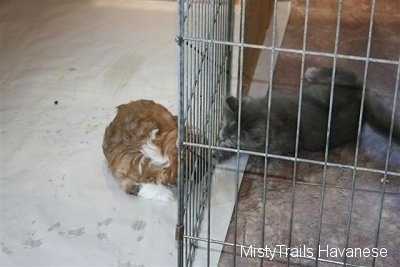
140,147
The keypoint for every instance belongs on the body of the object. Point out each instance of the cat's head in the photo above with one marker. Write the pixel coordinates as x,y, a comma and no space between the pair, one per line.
252,126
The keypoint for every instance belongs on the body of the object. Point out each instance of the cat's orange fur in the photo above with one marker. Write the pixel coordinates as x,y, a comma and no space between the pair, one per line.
141,125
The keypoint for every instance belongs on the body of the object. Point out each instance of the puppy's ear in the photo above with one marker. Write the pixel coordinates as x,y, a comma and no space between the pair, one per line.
232,104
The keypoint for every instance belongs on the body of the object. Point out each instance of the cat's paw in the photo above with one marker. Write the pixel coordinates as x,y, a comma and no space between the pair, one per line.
155,192
130,187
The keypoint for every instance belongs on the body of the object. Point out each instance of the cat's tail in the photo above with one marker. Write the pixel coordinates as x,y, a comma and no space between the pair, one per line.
378,113
324,76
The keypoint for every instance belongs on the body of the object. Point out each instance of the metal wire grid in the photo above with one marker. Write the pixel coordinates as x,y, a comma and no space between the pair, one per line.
204,79
199,38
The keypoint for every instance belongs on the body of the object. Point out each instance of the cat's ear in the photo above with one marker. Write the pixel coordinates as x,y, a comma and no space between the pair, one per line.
232,103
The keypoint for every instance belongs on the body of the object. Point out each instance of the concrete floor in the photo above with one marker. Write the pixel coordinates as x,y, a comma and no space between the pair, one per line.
65,66
365,215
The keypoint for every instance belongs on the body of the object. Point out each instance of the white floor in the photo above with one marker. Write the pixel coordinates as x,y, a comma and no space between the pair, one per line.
64,67
59,204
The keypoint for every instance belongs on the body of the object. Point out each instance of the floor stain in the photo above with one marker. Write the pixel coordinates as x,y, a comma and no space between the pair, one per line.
54,226
107,221
5,249
129,264
77,232
101,236
32,243
138,225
